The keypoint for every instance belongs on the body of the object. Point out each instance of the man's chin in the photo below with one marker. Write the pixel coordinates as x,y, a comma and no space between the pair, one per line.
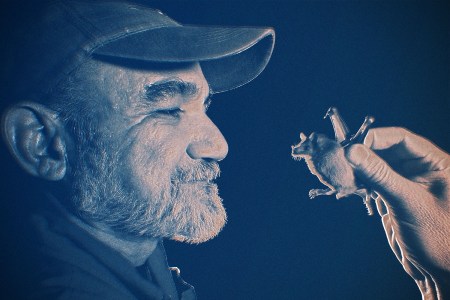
199,238
205,231
199,213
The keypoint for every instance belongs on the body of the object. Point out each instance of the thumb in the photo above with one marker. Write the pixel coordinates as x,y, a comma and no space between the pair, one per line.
377,174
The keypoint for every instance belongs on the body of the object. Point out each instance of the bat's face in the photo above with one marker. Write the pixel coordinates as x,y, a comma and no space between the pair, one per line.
302,149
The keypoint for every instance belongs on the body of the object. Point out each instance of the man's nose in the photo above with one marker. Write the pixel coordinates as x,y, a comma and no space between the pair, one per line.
208,142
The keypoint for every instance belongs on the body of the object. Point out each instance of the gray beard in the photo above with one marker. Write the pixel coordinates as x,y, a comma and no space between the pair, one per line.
188,208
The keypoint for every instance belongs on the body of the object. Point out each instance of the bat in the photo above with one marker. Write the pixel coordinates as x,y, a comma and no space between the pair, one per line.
326,159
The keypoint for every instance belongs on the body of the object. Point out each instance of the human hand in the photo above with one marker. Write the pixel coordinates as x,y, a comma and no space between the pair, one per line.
411,177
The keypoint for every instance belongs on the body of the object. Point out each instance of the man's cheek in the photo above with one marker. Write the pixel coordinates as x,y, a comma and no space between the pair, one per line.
149,176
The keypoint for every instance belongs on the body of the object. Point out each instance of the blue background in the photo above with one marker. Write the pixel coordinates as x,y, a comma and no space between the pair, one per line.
387,59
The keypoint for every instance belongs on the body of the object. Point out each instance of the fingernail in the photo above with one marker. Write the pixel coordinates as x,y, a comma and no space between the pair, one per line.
357,154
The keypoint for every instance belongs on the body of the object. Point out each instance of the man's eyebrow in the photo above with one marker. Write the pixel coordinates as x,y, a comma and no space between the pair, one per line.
168,88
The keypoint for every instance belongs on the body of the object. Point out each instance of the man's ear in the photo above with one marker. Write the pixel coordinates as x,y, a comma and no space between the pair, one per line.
35,137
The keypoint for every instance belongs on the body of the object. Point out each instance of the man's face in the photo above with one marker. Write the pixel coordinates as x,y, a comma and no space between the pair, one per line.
149,164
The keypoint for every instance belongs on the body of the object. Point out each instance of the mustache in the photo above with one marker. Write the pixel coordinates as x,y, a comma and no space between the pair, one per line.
200,171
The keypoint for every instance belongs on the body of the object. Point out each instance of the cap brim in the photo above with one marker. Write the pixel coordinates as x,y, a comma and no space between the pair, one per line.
230,57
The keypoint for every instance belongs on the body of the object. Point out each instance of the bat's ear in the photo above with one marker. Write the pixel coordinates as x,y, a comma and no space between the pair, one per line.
302,136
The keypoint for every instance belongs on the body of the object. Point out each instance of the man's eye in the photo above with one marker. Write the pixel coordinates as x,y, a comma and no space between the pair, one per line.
174,112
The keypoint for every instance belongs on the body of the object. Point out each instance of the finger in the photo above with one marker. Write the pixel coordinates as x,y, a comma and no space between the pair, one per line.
406,145
375,172
387,225
381,207
396,248
427,285
412,270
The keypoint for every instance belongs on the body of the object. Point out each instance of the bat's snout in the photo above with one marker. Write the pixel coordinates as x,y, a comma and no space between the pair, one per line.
296,150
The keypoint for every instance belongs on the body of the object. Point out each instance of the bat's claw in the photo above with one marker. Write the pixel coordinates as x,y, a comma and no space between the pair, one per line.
312,194
367,198
331,111
320,192
369,207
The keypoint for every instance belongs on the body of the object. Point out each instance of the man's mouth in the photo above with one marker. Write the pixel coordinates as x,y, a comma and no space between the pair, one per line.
196,187
200,181
199,173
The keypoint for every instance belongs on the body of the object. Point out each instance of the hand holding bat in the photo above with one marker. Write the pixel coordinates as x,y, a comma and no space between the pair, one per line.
412,178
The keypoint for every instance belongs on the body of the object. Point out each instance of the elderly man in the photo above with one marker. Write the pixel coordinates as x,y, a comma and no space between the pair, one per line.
114,121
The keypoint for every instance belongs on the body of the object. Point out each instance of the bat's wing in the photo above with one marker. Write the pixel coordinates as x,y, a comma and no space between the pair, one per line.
341,131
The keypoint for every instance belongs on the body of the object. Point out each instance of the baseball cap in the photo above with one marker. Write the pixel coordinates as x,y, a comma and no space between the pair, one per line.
71,32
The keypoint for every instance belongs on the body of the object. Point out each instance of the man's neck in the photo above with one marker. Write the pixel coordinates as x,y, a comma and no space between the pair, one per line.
135,250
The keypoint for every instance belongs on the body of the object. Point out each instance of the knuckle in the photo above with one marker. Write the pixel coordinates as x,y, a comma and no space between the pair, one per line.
378,172
403,132
357,153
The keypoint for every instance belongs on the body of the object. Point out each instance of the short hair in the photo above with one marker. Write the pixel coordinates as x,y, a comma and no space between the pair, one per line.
76,101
